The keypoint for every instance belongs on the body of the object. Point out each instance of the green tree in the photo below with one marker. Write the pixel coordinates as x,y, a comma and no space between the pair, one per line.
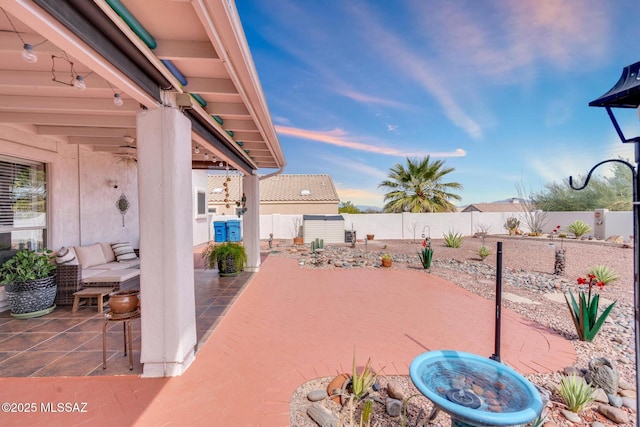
348,207
614,193
419,187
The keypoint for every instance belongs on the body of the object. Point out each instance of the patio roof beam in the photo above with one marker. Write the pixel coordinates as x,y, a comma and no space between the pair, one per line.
87,140
84,131
68,119
60,105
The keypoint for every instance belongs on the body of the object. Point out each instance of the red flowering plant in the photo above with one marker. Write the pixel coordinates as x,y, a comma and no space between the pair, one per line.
426,254
585,315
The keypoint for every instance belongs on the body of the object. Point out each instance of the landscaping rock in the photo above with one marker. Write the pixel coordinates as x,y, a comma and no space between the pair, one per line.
629,402
628,393
322,416
394,407
597,424
601,396
616,415
394,391
623,385
614,400
571,370
571,416
315,395
603,374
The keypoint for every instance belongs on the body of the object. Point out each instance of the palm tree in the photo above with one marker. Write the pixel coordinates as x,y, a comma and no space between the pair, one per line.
418,187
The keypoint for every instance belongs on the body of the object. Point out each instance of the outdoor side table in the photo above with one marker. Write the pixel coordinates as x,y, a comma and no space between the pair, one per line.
125,319
89,293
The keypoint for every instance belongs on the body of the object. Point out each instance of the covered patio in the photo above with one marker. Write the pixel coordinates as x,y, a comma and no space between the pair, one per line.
291,325
119,110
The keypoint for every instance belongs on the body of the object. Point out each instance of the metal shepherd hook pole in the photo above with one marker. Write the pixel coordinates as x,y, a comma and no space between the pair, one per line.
636,250
496,354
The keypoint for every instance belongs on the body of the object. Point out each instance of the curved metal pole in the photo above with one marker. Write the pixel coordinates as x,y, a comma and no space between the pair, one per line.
636,252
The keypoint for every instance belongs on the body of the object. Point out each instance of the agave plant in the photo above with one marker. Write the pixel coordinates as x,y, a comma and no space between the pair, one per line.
578,228
576,393
453,240
603,274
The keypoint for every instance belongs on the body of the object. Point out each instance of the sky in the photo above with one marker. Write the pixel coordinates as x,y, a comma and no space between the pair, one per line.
498,90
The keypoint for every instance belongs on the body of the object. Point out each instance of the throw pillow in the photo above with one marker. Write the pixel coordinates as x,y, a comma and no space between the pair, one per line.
123,251
66,256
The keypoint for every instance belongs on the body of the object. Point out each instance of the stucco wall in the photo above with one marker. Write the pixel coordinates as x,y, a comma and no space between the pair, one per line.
82,205
415,226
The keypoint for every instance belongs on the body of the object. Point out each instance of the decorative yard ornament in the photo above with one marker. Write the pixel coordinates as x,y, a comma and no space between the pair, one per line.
123,206
626,94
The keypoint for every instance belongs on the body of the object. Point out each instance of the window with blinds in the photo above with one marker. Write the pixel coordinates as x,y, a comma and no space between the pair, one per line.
23,206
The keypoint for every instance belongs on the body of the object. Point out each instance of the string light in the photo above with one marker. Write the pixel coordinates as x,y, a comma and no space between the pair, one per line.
79,83
75,79
28,55
196,150
117,100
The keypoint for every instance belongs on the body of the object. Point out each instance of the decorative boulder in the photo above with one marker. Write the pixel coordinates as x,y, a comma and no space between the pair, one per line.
603,374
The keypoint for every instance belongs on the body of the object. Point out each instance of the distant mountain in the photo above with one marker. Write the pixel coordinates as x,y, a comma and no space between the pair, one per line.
365,208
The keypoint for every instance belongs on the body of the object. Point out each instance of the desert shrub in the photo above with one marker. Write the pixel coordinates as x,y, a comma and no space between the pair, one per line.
484,252
576,393
512,223
578,228
603,274
453,240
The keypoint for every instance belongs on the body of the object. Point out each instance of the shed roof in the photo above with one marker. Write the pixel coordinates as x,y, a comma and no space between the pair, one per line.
493,207
279,188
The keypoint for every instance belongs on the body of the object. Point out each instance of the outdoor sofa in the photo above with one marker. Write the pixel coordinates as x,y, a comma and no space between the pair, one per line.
114,265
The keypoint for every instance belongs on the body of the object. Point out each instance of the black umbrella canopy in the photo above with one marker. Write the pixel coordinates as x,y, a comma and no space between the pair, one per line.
625,93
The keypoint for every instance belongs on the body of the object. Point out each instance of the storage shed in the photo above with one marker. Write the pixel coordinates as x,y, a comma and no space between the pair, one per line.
330,228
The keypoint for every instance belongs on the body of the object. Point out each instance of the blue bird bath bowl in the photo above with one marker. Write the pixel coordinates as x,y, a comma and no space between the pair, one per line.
474,390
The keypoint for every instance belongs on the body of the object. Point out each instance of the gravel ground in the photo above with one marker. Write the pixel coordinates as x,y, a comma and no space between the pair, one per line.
528,264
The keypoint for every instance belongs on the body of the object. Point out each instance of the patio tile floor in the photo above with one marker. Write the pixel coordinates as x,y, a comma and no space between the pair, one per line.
70,344
288,326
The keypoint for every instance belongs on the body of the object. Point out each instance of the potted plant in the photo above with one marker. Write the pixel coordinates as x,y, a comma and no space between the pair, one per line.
387,261
29,282
228,257
298,239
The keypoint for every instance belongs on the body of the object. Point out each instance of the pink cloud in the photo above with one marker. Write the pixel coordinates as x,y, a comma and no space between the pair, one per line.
334,137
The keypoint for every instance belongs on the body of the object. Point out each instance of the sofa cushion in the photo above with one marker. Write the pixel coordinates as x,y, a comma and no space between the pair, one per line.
66,256
123,251
109,266
89,273
131,263
91,255
108,252
113,276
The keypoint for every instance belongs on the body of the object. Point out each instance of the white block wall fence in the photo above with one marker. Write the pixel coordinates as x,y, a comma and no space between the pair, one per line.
409,226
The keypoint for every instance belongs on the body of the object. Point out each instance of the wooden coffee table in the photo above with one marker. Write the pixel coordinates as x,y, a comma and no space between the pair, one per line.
88,294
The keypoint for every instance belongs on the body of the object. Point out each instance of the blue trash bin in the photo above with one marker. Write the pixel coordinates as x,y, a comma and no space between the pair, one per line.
220,231
233,230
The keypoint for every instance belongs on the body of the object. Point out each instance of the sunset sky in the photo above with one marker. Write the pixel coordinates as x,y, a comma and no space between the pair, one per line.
499,90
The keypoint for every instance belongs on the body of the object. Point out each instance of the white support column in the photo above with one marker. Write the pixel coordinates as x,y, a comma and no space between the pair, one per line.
251,222
166,250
